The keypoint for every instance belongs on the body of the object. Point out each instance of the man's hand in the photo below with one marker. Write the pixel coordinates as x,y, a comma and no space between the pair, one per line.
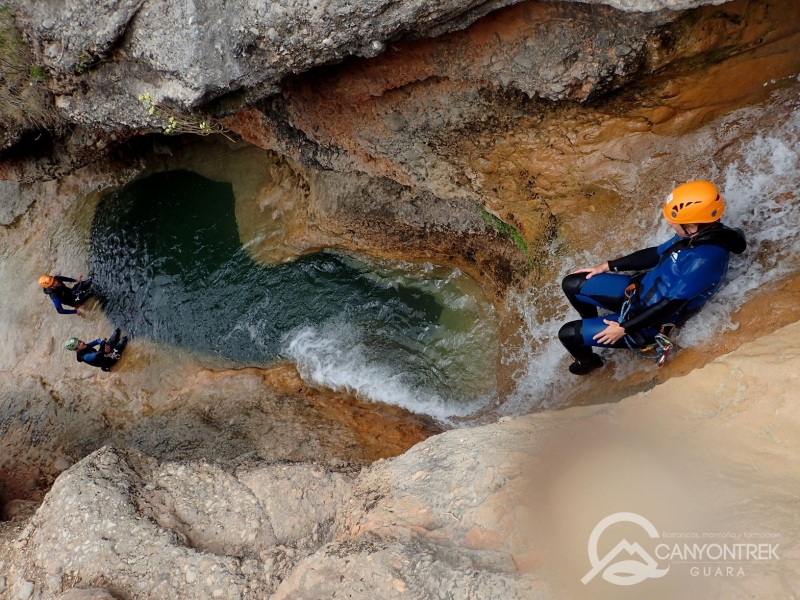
79,310
604,268
78,278
611,334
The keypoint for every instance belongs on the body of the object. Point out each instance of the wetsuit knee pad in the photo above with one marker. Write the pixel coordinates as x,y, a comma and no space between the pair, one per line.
572,284
571,334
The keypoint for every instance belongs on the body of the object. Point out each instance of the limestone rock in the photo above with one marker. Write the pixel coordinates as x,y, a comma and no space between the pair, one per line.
385,570
75,32
26,590
487,113
15,202
166,51
103,58
652,5
313,493
125,48
182,529
87,594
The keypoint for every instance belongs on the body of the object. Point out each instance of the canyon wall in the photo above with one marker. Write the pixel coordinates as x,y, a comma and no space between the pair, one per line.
524,110
121,49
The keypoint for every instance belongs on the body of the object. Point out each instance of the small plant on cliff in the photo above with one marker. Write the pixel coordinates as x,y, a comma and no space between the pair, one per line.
38,73
177,122
510,232
86,62
24,102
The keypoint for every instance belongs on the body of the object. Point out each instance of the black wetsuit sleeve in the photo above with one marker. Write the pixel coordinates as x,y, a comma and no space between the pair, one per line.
655,315
641,260
60,308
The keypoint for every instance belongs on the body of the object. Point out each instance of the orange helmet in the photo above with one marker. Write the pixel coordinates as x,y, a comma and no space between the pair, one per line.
46,280
694,202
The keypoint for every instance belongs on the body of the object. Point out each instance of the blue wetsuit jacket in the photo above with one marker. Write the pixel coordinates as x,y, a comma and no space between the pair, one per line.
61,295
93,355
675,280
683,274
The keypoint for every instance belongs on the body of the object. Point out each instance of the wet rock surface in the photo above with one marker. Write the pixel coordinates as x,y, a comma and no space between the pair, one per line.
534,163
159,401
462,116
426,143
47,426
525,106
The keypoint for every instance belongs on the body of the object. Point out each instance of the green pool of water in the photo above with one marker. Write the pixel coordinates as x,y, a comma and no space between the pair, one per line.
168,265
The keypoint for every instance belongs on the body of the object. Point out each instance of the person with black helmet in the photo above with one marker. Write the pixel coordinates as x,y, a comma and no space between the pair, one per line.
102,353
673,281
64,295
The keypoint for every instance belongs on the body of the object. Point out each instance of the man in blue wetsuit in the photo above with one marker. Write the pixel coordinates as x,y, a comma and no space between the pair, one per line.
100,353
673,283
64,295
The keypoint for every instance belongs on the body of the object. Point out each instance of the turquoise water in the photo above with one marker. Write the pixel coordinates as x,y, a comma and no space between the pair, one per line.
168,265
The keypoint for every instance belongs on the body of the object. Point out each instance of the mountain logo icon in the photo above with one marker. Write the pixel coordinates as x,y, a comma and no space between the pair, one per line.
623,572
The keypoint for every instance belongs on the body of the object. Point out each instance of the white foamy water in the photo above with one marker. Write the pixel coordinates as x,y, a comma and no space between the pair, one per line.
760,188
448,370
335,357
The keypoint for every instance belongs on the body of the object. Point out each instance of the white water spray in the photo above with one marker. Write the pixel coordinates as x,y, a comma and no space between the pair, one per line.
335,357
446,371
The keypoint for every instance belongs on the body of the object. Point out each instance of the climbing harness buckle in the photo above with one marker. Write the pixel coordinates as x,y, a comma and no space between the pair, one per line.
661,343
664,346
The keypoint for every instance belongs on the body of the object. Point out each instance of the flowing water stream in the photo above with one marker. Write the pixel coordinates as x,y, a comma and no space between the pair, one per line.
168,265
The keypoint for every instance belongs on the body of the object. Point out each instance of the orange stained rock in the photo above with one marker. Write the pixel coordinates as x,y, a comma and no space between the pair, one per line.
479,538
382,429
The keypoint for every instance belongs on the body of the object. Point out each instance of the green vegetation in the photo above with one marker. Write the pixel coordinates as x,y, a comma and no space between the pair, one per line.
14,56
178,122
24,102
87,61
38,73
510,232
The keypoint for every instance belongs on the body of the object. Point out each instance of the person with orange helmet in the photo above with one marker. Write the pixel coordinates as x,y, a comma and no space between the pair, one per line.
62,294
671,282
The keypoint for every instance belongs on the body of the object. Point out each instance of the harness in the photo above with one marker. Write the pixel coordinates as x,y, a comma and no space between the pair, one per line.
661,343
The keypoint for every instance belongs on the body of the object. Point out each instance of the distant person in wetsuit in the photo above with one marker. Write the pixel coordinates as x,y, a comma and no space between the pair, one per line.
673,283
100,353
62,295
